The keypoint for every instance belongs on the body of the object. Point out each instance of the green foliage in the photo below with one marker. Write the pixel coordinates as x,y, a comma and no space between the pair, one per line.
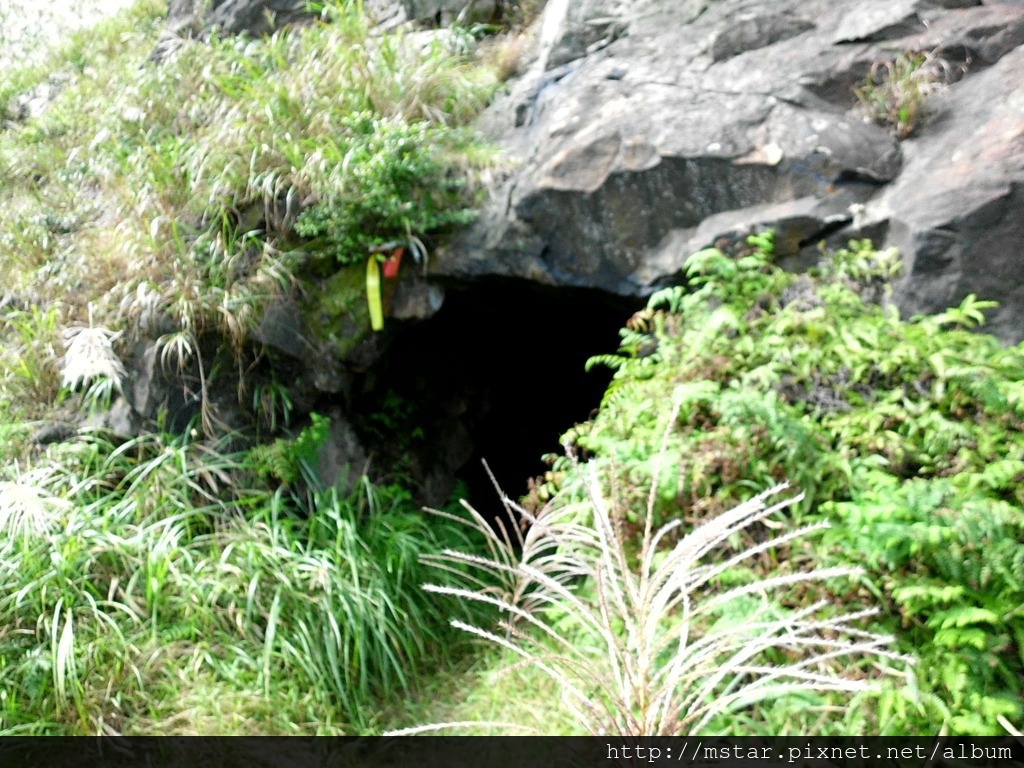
338,596
908,435
403,185
949,554
29,356
290,460
128,573
272,405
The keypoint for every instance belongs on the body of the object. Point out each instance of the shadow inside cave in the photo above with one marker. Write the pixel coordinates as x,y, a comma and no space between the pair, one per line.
497,375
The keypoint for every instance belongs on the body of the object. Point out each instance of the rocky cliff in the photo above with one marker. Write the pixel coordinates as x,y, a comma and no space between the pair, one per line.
635,133
639,131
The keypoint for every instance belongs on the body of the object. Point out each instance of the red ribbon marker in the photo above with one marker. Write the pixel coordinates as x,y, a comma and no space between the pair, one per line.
392,263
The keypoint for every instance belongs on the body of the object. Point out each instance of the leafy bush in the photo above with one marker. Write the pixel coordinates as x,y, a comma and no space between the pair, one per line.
290,460
908,435
950,560
404,187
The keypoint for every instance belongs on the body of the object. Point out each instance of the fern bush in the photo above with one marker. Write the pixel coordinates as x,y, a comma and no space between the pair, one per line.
906,434
950,561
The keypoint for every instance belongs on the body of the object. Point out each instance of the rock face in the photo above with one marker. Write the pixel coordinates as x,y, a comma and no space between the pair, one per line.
643,130
191,17
638,132
444,12
232,16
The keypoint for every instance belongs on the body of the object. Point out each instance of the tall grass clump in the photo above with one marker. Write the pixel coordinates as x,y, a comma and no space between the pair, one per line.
337,596
177,199
644,631
135,579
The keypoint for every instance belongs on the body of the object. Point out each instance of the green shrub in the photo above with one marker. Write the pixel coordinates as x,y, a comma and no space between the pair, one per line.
950,560
908,435
404,187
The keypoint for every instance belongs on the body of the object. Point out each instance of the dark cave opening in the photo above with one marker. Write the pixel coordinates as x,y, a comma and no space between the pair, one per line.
498,374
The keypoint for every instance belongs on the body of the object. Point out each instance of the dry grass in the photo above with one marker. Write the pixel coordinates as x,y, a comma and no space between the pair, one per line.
897,90
650,642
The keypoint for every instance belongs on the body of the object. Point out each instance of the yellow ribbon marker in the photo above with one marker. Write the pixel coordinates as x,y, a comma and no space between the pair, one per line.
373,293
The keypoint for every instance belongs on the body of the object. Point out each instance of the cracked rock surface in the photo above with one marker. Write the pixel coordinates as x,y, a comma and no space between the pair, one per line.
639,131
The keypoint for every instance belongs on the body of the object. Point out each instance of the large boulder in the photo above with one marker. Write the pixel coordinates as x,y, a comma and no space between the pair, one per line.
646,129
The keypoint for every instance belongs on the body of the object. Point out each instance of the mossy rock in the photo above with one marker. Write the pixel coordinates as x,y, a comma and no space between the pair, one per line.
336,314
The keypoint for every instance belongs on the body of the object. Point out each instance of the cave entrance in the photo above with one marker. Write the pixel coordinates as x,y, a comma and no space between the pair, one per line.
497,375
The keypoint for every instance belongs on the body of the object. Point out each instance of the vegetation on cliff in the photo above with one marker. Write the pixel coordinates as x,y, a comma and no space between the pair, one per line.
178,582
186,581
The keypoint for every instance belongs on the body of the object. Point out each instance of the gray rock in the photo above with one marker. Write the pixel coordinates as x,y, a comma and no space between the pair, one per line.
971,38
966,3
54,432
186,18
416,299
256,17
155,385
867,21
281,329
649,128
957,210
585,26
121,420
755,31
342,460
176,393
446,12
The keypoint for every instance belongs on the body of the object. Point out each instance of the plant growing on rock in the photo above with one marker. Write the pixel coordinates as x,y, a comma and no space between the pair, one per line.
896,90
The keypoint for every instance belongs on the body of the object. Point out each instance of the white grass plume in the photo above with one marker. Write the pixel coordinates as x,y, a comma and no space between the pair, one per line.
28,509
90,358
665,654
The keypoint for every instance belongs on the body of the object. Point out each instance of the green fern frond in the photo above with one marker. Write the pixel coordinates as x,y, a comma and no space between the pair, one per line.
671,298
615,362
